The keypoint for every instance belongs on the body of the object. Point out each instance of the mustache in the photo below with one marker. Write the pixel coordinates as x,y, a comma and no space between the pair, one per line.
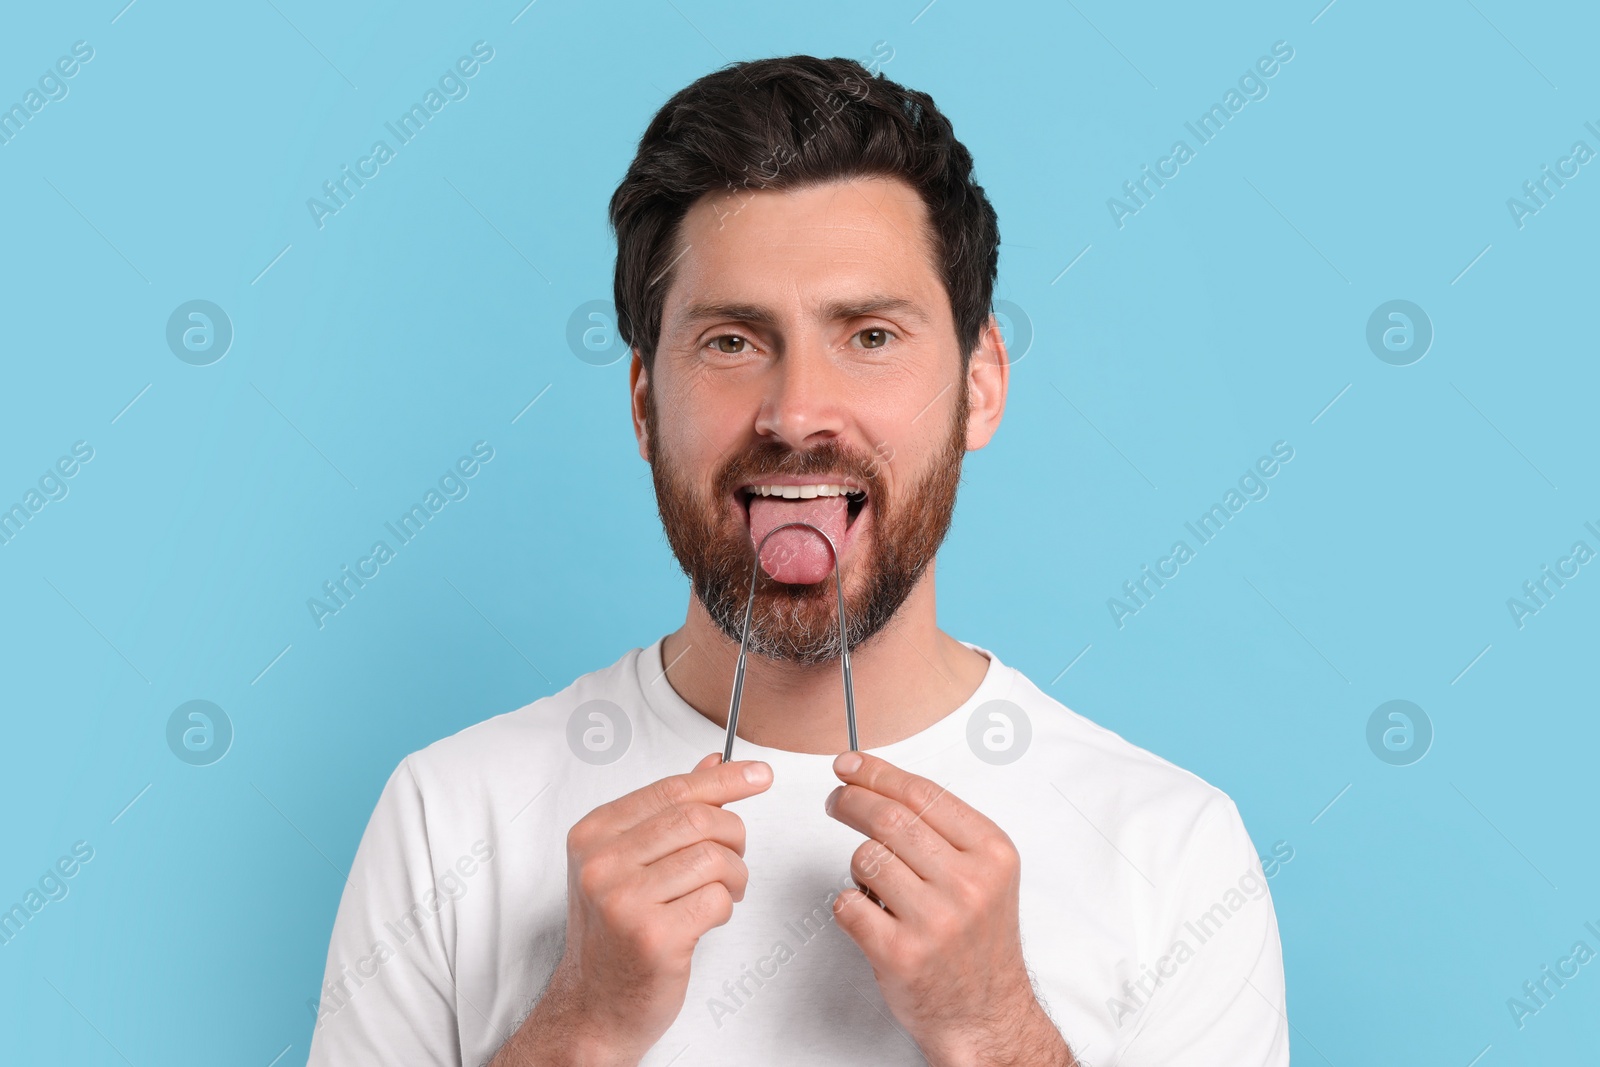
772,458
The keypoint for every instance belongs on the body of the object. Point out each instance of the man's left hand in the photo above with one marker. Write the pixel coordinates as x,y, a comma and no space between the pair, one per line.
945,944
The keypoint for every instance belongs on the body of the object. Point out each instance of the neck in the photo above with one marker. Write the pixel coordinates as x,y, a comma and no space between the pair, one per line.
907,677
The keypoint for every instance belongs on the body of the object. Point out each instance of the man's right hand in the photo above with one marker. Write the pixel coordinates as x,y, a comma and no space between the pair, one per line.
647,875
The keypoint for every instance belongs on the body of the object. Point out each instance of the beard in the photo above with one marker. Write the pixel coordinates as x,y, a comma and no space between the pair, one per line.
799,623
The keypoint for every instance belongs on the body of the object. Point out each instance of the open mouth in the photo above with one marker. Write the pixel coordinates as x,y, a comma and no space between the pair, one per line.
855,497
797,555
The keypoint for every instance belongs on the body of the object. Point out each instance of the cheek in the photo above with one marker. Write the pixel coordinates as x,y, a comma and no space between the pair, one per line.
698,439
903,441
693,445
702,416
915,408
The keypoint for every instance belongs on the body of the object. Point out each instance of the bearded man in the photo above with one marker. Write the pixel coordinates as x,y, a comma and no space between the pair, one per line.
805,270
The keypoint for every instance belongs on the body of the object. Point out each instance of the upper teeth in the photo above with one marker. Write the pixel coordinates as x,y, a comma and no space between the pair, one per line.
802,492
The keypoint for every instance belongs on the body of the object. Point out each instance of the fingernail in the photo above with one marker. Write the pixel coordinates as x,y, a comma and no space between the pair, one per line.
831,800
757,773
847,762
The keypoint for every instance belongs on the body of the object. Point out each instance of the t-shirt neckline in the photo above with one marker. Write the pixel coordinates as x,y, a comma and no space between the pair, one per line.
704,735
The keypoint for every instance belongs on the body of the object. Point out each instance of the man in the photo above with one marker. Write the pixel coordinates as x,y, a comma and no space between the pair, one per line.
804,273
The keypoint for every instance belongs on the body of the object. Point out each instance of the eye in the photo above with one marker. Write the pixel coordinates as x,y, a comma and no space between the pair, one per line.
730,344
874,337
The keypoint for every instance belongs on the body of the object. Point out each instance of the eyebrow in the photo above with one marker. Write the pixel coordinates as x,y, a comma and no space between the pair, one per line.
759,315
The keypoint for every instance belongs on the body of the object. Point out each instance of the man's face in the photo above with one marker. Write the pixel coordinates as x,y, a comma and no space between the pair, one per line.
807,341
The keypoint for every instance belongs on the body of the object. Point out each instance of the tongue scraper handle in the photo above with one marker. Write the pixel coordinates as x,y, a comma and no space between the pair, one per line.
744,638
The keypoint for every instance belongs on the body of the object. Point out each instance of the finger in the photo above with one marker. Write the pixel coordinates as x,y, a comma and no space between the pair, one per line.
872,928
951,818
878,871
678,827
922,849
699,911
690,868
708,783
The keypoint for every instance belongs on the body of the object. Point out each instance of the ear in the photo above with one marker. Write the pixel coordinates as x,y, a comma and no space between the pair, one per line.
988,376
639,386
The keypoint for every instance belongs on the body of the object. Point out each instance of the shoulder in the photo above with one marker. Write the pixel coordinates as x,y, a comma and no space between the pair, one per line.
1177,843
516,743
1142,775
1129,790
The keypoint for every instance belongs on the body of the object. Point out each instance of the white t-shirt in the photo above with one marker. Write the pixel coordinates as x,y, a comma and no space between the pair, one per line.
1145,915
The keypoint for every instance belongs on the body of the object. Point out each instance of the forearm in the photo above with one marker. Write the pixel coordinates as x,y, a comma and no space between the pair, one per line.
559,1033
1030,1041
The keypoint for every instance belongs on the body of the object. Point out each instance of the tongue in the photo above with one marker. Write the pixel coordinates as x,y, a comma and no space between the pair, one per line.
797,556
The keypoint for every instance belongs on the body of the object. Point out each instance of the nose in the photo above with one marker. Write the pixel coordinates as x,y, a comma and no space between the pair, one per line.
804,399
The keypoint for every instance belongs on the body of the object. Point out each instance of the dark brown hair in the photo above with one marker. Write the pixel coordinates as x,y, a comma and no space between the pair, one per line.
785,123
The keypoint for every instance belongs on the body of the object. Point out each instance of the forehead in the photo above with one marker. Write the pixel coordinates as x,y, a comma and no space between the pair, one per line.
806,246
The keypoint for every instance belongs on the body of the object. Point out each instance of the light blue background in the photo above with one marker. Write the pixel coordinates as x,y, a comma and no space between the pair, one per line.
1223,317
